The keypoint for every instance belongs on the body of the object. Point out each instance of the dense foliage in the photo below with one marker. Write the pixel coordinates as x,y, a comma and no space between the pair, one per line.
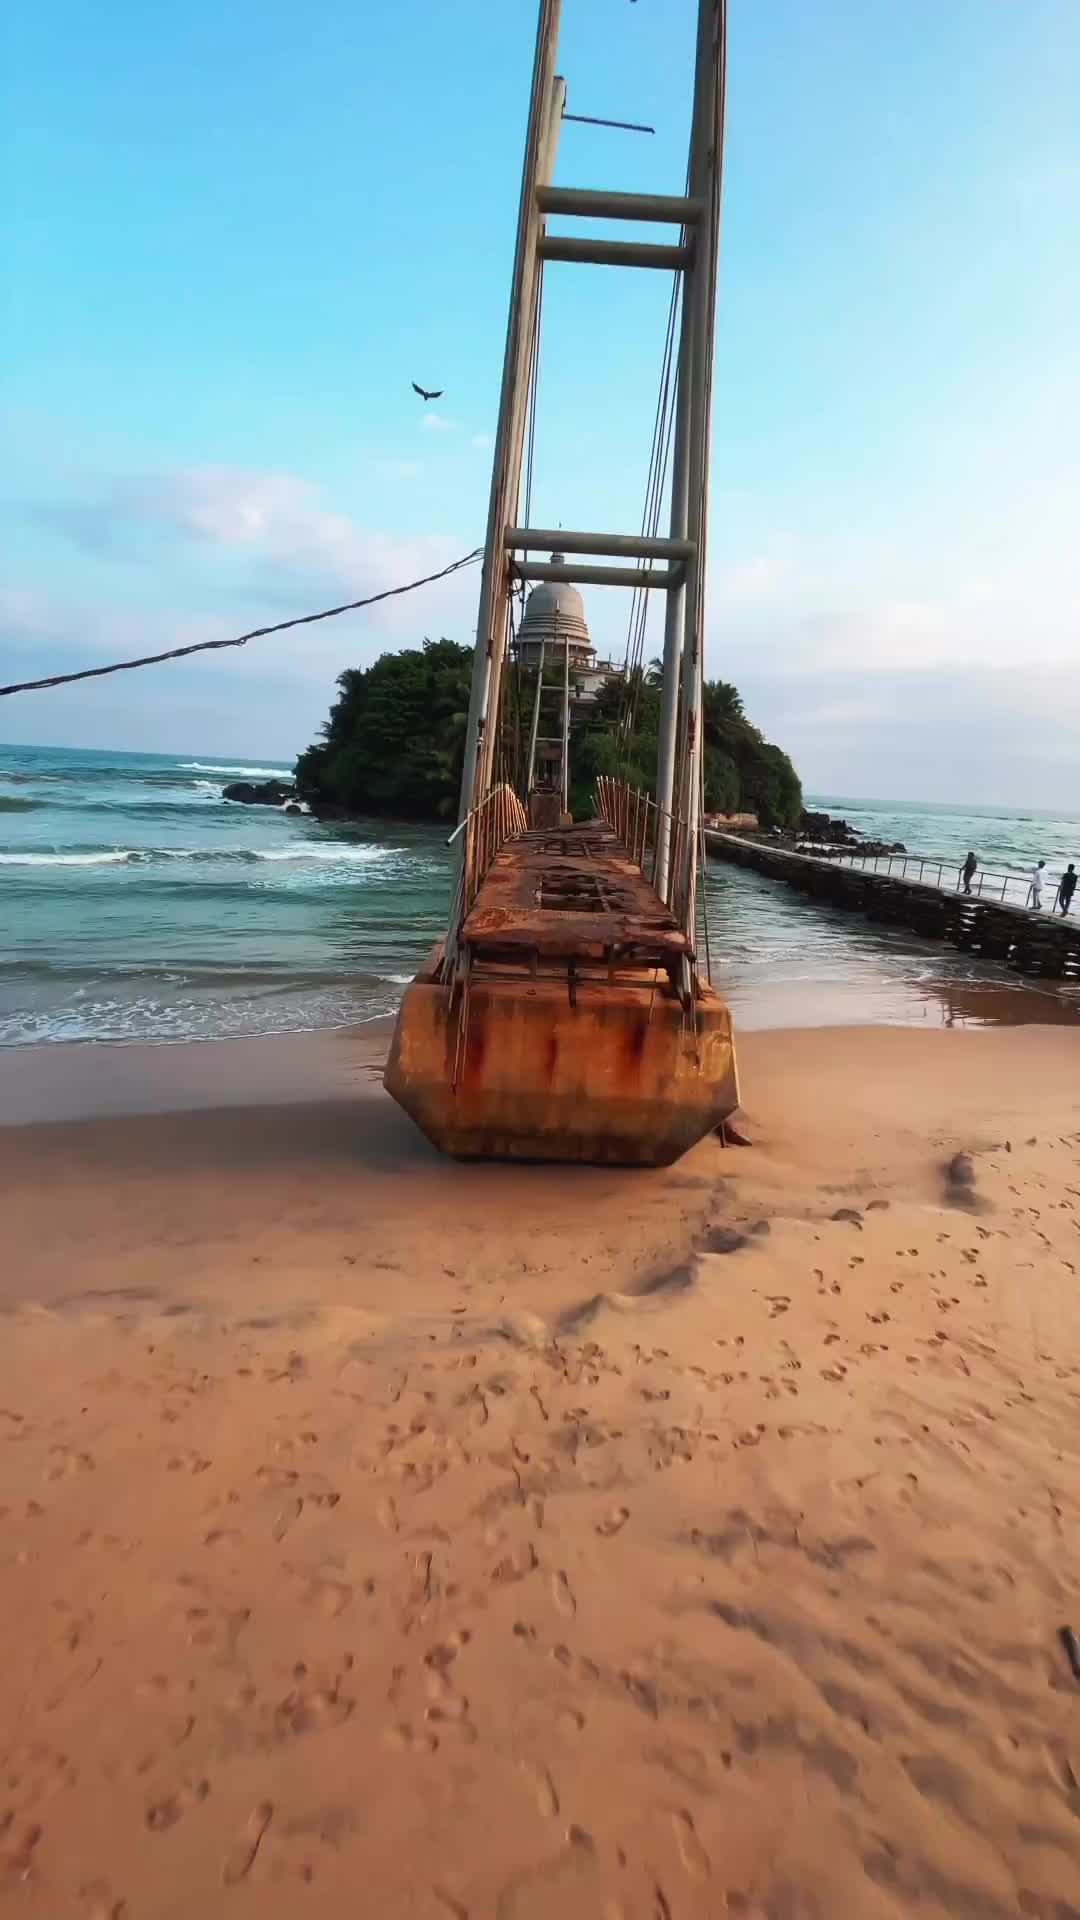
744,773
395,741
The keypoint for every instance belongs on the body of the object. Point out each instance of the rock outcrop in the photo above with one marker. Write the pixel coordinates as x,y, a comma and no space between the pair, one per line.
260,793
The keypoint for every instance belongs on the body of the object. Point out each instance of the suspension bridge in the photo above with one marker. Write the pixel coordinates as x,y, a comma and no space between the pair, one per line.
567,1015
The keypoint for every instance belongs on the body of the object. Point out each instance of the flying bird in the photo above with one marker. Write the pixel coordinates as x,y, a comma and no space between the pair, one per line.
425,395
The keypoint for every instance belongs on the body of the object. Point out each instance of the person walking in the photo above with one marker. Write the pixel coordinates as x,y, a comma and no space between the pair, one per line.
968,870
1038,875
1067,887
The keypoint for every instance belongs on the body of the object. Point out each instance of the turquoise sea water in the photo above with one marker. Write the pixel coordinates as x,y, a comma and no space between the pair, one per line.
135,904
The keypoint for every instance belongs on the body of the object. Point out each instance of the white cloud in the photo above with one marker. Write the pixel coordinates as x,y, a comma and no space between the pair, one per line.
288,553
278,519
894,645
481,441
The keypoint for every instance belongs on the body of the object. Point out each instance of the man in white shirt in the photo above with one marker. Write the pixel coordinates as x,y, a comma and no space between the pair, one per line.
1038,875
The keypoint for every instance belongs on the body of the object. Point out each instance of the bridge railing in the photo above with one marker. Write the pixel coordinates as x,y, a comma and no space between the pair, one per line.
635,816
986,884
486,828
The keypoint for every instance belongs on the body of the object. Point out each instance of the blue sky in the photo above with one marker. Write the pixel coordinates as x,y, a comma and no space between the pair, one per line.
233,236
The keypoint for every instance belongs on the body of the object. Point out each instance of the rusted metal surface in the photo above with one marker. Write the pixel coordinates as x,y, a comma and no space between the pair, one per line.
608,1074
567,1034
572,895
546,810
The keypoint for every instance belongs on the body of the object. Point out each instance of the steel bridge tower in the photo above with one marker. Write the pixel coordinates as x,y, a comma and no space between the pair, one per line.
565,1017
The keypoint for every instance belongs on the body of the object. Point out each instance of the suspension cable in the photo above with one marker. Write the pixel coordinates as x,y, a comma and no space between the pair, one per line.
241,639
658,465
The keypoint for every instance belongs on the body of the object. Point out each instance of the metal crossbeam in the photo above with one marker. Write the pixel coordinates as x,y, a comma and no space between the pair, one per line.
657,579
629,546
668,208
612,253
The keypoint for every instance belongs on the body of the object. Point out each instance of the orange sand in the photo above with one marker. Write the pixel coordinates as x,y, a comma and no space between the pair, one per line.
383,1537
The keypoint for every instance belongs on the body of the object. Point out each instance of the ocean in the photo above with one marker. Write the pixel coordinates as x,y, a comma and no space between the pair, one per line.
140,906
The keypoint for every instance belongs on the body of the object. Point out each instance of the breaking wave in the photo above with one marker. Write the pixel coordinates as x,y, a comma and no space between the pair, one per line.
253,773
347,855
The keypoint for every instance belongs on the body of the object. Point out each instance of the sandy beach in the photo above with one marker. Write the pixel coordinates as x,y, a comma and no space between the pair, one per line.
384,1536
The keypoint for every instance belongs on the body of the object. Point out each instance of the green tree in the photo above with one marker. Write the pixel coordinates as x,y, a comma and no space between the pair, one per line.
395,739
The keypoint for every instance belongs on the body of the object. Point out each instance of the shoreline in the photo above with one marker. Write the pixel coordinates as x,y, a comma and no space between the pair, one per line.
86,1079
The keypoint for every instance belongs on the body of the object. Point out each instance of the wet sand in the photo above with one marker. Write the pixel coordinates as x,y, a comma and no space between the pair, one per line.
381,1536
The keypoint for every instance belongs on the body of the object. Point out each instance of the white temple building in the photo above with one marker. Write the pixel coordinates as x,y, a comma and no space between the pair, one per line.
554,620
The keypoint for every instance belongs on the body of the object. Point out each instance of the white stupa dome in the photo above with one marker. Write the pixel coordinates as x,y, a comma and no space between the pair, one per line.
555,613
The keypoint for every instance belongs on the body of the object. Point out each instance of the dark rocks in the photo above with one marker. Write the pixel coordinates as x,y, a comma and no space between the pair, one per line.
826,831
822,830
261,793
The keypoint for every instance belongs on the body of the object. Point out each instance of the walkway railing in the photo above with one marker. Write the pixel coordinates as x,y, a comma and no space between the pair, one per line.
634,815
985,884
486,828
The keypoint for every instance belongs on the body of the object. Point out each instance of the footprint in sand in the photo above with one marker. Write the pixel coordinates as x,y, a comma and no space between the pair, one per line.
446,1651
65,1461
222,1537
17,1861
562,1594
187,1463
543,1788
163,1814
330,1597
100,1903
449,1904
691,1852
240,1858
313,1711
515,1566
613,1522
448,1705
277,1477
220,1628
540,1888
287,1518
403,1739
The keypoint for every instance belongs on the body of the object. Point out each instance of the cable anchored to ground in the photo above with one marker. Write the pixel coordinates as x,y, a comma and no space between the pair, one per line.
240,639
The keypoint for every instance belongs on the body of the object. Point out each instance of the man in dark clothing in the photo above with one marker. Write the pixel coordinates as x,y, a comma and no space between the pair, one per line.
1067,888
968,870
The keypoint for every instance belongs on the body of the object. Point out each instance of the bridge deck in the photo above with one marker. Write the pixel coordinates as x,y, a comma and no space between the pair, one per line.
571,897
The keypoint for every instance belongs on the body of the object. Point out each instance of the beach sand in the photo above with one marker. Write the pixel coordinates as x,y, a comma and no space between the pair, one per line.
380,1536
